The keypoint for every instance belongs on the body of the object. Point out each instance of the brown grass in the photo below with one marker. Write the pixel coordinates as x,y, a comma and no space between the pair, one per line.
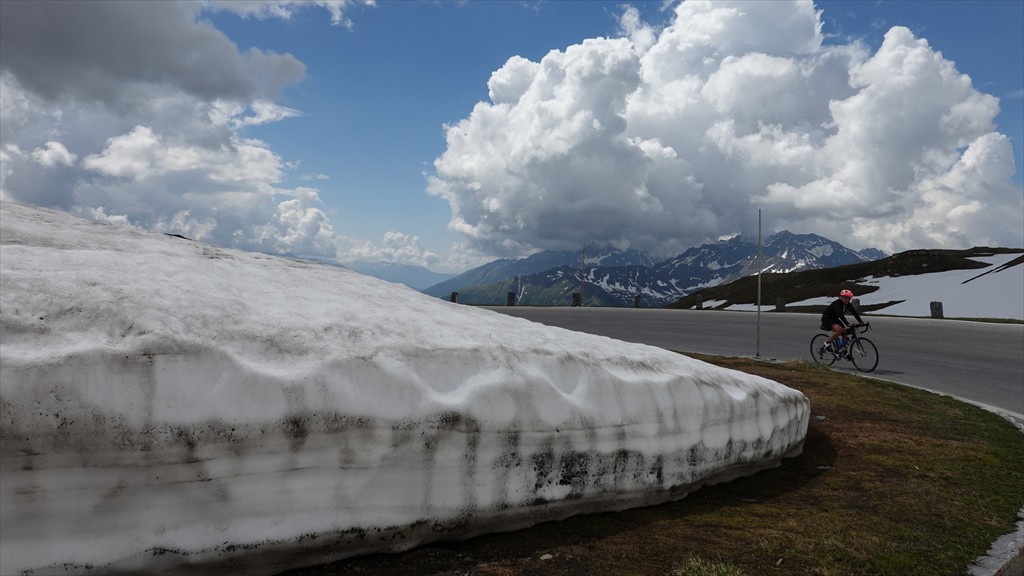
892,481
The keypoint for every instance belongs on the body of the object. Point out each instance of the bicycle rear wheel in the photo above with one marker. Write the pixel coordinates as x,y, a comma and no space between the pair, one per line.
864,354
818,352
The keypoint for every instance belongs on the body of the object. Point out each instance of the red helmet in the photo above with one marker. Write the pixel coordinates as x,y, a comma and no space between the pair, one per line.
846,294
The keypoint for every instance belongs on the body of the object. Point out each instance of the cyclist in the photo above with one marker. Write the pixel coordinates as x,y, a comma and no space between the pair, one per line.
834,317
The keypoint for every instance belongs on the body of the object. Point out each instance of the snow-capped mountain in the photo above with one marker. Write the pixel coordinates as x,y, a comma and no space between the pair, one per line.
505,271
613,278
707,265
788,252
872,254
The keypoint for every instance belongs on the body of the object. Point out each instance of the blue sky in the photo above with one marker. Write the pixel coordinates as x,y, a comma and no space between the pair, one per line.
378,95
268,126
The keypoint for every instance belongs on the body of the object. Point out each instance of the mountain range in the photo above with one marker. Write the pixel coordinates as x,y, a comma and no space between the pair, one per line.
415,277
633,278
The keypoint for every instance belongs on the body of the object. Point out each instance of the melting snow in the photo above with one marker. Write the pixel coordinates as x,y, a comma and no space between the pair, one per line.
819,251
168,405
977,293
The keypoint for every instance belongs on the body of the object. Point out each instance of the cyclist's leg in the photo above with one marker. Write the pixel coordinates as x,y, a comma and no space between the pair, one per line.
837,331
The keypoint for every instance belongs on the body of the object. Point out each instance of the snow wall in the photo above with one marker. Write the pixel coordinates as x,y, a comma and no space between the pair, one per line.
172,406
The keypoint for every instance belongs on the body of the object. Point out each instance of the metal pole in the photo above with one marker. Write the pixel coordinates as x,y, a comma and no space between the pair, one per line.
760,265
583,260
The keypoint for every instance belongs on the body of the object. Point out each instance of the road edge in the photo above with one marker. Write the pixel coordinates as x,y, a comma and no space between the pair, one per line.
1005,556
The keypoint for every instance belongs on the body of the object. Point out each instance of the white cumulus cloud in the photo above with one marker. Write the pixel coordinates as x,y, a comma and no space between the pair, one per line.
660,139
664,139
150,122
397,247
53,154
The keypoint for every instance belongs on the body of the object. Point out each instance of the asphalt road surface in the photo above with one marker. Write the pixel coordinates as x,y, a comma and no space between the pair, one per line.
976,361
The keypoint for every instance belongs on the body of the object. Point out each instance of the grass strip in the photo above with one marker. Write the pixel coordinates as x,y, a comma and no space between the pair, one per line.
893,481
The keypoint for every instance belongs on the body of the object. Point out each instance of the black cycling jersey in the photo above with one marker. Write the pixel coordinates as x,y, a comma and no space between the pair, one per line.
836,314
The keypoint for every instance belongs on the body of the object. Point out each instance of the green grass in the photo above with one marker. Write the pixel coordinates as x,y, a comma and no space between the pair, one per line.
697,566
892,481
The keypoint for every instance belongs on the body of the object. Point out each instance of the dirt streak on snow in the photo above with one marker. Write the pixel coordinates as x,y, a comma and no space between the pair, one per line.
168,404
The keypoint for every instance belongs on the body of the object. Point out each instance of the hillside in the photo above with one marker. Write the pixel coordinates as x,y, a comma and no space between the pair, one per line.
806,291
613,278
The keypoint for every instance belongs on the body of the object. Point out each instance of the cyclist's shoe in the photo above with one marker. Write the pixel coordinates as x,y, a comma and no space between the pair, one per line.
828,347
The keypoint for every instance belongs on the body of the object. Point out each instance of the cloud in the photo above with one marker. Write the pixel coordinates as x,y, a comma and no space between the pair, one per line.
264,112
642,35
550,142
658,140
396,247
52,48
664,139
54,154
299,227
145,128
309,177
284,9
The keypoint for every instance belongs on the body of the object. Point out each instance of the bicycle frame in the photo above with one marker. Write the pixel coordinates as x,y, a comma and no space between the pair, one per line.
861,351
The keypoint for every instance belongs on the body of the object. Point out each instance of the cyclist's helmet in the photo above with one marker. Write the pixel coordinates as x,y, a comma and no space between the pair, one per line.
846,295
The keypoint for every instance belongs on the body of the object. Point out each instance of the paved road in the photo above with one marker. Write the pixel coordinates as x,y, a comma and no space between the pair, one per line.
979,362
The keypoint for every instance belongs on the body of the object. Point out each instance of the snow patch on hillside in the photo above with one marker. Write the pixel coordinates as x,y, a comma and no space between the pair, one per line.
976,293
820,251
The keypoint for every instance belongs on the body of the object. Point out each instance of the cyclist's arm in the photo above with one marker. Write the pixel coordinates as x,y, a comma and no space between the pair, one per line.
855,314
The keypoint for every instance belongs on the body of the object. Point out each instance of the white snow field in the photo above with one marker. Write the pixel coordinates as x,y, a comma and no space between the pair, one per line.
996,291
168,405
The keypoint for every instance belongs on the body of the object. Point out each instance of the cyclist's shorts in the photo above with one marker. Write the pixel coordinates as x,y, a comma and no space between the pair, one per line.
826,327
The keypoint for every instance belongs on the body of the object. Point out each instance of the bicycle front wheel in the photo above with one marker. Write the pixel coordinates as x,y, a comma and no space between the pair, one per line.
818,352
864,354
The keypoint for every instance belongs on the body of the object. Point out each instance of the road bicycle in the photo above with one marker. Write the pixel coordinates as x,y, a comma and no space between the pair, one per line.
861,351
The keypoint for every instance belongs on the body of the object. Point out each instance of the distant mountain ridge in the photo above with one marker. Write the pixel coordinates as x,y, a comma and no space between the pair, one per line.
614,278
500,272
415,277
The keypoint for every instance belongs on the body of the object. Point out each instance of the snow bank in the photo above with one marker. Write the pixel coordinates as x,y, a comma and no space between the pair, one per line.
167,405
